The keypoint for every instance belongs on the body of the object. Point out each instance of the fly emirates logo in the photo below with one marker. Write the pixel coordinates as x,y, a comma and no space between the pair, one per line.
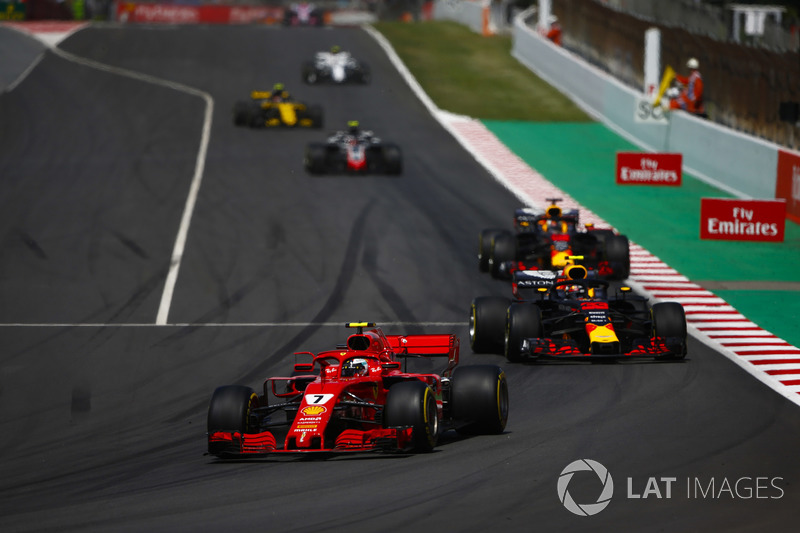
742,220
635,168
648,173
741,223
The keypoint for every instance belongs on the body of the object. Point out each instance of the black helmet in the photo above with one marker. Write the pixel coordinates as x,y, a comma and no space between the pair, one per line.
352,127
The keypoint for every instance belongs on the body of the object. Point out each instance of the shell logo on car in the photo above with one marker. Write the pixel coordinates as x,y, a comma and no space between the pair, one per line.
313,410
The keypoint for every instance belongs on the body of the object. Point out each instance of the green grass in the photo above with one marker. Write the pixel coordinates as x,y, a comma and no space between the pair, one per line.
466,73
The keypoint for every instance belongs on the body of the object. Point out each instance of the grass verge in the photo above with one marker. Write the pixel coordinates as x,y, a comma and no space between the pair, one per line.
469,74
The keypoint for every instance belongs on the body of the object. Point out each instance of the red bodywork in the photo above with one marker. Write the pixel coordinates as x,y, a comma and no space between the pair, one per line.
356,155
337,412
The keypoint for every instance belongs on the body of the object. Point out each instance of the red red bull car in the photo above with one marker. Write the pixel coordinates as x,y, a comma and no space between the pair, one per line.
544,240
573,317
360,397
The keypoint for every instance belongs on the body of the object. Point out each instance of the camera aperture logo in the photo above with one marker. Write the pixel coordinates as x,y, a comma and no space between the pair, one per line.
586,509
746,487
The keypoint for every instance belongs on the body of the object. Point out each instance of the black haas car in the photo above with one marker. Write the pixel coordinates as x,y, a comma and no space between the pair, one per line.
353,151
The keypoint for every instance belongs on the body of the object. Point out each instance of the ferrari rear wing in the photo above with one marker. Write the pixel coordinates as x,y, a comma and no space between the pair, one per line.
434,345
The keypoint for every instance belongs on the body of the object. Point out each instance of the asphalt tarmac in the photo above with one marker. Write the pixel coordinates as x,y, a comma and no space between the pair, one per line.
102,410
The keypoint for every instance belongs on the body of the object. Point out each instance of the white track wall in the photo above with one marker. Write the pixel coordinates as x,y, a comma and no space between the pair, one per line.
740,164
468,13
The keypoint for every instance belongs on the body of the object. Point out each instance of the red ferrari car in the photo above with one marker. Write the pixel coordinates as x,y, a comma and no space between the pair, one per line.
361,397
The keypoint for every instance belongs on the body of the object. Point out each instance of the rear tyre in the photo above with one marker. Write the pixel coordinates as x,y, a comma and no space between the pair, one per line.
503,248
669,320
524,321
412,403
485,247
314,159
365,74
487,324
310,73
618,256
479,396
392,159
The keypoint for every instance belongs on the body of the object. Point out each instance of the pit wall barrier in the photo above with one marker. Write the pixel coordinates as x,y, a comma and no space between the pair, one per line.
739,164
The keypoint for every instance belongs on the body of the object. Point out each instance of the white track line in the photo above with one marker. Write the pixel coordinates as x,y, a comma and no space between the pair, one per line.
229,325
42,31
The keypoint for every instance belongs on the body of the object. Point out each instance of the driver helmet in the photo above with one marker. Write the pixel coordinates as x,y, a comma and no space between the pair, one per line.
355,367
278,88
335,49
352,127
692,64
574,290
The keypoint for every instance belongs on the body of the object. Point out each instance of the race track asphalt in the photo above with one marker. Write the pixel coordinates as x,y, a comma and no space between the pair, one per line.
102,412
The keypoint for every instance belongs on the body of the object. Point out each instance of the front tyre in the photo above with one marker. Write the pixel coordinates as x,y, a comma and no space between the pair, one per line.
412,403
485,247
669,321
230,410
502,249
479,397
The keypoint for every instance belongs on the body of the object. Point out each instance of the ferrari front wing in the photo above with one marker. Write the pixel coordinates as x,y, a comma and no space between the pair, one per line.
237,444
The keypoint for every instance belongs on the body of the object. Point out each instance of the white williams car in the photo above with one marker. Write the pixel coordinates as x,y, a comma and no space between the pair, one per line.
335,66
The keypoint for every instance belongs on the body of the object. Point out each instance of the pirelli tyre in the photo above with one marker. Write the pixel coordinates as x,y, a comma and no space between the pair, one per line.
618,255
309,73
413,404
392,159
669,321
503,248
315,158
524,321
487,324
364,73
230,409
479,399
485,247
243,113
